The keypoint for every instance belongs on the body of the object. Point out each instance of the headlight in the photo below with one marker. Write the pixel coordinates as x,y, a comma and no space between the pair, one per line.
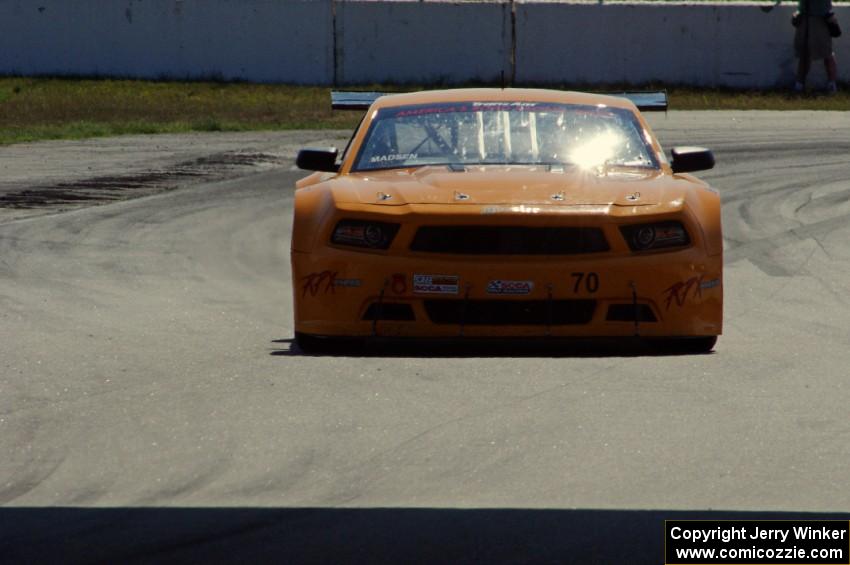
364,233
645,237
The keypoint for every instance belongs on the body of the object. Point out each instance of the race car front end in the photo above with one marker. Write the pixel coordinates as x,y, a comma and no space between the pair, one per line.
440,271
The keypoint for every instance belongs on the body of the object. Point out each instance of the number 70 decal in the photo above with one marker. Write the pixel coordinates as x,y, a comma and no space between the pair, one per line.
585,281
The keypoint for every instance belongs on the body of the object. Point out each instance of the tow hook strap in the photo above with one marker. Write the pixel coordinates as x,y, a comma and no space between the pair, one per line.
463,308
635,305
380,310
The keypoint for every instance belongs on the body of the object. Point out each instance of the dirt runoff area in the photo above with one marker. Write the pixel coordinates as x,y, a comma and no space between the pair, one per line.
55,176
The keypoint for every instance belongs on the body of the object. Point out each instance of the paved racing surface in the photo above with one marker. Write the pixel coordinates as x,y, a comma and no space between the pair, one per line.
152,407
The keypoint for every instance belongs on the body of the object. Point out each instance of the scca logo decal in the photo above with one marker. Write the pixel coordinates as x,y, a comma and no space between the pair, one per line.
509,287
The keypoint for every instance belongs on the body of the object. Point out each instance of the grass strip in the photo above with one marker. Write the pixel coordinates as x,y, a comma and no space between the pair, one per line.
33,109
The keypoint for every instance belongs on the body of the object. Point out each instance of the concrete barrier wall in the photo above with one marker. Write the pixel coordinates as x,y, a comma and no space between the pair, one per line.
708,45
256,40
422,42
366,41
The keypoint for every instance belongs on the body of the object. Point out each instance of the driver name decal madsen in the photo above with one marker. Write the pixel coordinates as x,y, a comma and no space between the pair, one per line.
509,287
392,157
435,284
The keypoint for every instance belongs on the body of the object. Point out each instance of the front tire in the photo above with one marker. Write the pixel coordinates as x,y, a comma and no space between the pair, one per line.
313,344
686,345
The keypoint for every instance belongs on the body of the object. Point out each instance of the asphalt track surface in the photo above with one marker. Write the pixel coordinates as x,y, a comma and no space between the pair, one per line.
154,409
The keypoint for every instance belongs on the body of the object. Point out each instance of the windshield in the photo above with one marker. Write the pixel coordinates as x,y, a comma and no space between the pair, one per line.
526,133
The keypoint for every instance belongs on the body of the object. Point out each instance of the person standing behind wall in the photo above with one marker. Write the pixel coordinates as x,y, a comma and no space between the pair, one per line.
815,26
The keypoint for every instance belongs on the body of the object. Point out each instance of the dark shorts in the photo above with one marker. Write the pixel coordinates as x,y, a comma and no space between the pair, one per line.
820,42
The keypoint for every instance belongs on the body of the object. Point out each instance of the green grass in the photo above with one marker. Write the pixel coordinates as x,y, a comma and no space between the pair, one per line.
715,99
45,108
33,109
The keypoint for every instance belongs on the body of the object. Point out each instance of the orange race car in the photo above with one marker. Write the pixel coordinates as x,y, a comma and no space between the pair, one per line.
506,213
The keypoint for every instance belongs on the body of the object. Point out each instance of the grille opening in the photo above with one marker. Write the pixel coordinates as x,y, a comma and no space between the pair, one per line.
629,313
509,240
510,312
389,311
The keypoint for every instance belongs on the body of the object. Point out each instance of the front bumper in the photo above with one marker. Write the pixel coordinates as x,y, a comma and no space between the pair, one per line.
340,293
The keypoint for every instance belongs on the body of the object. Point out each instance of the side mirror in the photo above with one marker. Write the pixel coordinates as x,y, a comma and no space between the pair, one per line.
317,159
688,159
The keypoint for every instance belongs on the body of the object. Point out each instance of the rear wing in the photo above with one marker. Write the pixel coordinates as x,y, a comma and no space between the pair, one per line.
655,101
347,100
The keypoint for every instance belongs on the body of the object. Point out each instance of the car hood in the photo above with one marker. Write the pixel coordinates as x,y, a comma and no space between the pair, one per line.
508,185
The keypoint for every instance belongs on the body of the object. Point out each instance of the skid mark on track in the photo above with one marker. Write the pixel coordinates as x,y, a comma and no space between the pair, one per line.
103,189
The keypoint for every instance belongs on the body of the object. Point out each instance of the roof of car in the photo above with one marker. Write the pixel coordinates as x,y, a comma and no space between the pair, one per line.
500,95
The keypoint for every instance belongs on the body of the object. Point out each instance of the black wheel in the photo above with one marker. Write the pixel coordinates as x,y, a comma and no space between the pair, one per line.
685,345
317,344
311,344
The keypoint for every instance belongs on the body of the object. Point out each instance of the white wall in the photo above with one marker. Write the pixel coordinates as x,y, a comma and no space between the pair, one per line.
365,41
257,40
422,42
708,45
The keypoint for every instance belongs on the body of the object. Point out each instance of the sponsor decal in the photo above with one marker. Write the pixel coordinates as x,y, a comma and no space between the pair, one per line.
679,292
424,111
325,282
506,105
452,107
509,287
517,107
351,283
435,284
314,283
393,157
399,284
705,285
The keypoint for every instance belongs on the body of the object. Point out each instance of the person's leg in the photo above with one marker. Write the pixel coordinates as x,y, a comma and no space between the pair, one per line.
801,50
831,68
802,71
831,73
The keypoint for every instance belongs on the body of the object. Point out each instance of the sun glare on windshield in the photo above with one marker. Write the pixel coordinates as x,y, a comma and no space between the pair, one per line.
504,133
596,151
